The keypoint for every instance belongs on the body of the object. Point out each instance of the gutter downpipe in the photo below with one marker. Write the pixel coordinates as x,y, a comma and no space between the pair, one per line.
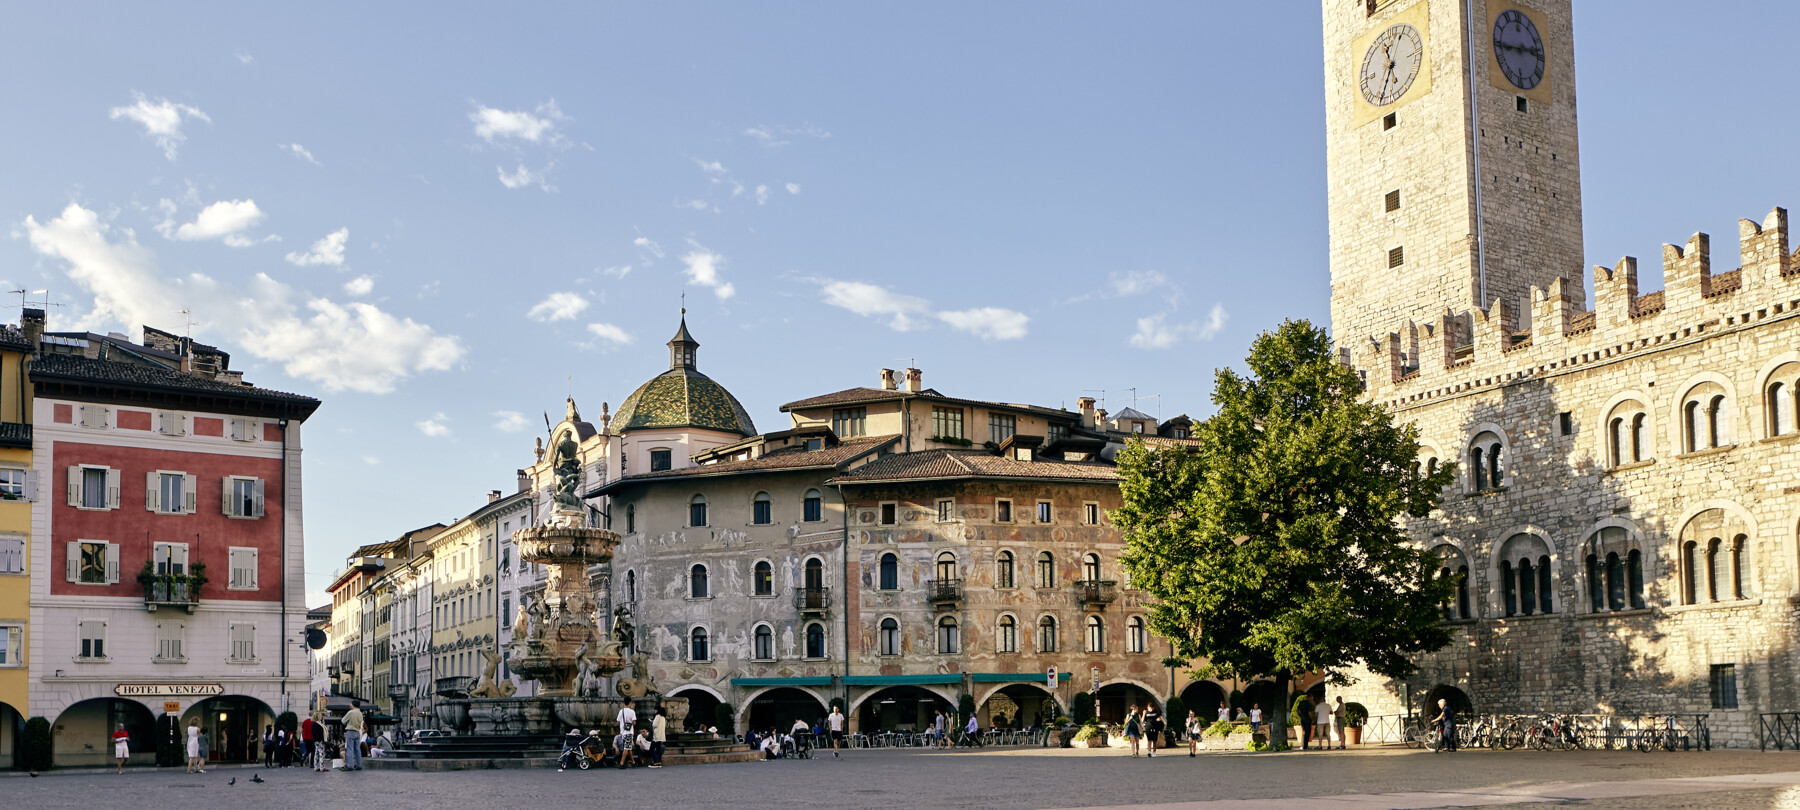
285,701
1475,153
844,502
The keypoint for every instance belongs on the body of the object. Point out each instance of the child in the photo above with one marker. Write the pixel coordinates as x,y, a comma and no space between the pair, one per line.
1255,719
1193,731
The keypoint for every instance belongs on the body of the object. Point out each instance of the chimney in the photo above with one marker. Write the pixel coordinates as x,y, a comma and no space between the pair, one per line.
31,322
915,380
1086,406
493,495
887,380
1100,419
524,481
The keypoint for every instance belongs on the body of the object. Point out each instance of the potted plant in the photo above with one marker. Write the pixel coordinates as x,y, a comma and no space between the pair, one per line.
1355,715
1092,734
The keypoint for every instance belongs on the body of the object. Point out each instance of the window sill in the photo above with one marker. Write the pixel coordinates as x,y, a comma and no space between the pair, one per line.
244,517
250,588
1635,465
1486,493
826,658
762,660
705,661
1611,614
699,599
1785,437
762,596
92,660
168,660
13,574
96,508
1735,603
1532,618
1710,451
94,584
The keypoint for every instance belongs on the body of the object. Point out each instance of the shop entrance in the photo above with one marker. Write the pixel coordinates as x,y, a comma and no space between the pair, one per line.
234,725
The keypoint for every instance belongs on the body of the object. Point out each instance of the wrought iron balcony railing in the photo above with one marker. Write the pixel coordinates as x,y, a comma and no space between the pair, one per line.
812,600
944,590
165,590
1096,593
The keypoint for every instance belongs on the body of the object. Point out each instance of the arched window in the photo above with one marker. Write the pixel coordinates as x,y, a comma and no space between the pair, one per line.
946,567
1526,583
1706,417
1096,635
1738,591
697,582
1003,570
1047,634
1453,565
1137,638
815,574
1625,434
1595,584
1616,442
1691,427
1615,581
1690,568
1717,429
949,641
890,637
890,572
763,578
812,507
1478,467
1781,409
697,511
1634,578
631,518
1046,570
698,649
631,586
1006,638
1431,465
1090,567
759,510
815,640
1639,447
765,643
1717,572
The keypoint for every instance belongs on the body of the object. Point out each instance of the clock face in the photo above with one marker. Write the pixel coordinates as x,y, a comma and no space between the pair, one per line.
1519,49
1391,65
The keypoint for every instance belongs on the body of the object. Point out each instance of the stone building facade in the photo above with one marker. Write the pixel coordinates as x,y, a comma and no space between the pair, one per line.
1623,525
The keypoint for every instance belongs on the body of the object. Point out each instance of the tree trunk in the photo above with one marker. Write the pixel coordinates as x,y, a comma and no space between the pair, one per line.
1278,718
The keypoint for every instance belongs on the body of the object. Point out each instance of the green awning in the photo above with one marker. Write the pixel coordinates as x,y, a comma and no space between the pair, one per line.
1016,677
815,681
901,680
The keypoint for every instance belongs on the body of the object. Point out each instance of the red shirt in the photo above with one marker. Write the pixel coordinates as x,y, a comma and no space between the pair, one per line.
121,734
306,729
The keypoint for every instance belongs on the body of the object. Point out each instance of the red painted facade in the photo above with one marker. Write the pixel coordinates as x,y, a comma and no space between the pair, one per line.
208,532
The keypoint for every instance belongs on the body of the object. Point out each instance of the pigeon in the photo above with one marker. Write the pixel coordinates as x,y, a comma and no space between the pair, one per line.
233,781
34,774
257,778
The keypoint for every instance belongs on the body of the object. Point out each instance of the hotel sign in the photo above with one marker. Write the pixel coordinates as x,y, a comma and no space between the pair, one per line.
168,690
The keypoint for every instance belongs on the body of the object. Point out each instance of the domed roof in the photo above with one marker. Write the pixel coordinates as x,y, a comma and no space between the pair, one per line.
683,397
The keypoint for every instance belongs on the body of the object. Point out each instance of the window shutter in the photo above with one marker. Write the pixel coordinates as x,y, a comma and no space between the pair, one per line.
72,568
225,504
74,486
190,493
258,491
31,485
112,489
112,563
250,569
152,491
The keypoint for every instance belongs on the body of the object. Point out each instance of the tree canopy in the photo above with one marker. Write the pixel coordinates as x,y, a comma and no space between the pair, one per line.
1275,545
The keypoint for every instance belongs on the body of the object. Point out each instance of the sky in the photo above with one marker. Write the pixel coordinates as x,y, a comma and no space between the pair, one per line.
442,221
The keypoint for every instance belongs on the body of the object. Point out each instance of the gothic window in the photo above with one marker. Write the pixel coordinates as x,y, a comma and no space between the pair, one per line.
765,643
631,586
1090,567
1706,418
1096,635
1487,468
697,511
759,510
946,566
1626,434
1526,584
631,518
1006,640
1046,570
949,640
890,637
1453,565
1003,570
697,582
1634,578
815,574
812,508
763,575
815,640
1613,571
698,649
890,572
1779,400
1715,563
1047,634
1136,637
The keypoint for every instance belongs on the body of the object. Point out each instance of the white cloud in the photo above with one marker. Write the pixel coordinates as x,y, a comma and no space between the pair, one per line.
776,136
161,120
300,152
762,194
618,272
713,168
226,220
793,188
988,323
359,286
243,56
902,311
694,205
648,246
435,427
764,136
339,347
329,250
1127,284
1155,331
524,177
559,306
703,269
510,421
610,333
371,460
494,126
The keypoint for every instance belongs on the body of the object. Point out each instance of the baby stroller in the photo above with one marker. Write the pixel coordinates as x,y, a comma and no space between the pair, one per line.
584,751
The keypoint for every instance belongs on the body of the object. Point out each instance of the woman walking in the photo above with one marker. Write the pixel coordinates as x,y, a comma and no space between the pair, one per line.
1193,731
1134,728
1153,726
193,746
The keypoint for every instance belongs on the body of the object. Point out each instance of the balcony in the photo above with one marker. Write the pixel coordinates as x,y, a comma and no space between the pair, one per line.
172,590
944,592
399,692
812,601
1096,594
15,435
455,686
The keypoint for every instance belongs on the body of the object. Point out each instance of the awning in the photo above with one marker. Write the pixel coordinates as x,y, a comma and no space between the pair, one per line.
902,680
1016,677
813,681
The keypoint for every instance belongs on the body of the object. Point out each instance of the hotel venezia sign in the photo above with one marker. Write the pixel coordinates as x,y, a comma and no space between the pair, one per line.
168,690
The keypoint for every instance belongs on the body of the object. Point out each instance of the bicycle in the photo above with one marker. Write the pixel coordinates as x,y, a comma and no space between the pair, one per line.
1413,734
1510,736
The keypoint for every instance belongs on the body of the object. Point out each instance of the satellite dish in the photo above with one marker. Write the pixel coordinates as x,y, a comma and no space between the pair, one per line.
315,638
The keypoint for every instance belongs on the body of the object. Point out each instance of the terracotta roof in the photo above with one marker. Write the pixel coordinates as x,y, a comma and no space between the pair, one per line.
68,366
787,458
13,339
931,464
855,396
1170,440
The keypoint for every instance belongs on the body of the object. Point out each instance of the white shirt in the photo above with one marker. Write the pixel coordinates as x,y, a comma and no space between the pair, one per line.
837,721
800,726
1256,715
1224,713
626,718
1324,714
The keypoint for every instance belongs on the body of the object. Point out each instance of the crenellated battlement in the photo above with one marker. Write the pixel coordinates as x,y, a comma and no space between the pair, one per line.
1460,351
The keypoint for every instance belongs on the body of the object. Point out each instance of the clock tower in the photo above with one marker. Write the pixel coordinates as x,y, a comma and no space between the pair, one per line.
1451,153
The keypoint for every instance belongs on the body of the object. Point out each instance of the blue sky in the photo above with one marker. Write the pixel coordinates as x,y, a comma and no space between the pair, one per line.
441,221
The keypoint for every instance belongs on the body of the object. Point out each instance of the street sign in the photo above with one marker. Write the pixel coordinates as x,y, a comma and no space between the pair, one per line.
1050,675
171,707
168,690
1096,672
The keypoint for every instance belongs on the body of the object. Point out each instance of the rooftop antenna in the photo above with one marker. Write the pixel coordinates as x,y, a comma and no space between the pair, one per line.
187,317
1100,391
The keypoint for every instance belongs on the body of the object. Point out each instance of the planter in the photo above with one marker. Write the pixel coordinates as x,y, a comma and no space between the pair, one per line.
1353,735
1096,741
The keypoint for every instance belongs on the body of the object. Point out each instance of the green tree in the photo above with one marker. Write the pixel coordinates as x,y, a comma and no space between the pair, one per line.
35,748
965,707
1276,545
1082,710
725,719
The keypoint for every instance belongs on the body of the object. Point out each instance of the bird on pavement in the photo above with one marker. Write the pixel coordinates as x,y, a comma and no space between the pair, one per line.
257,778
233,781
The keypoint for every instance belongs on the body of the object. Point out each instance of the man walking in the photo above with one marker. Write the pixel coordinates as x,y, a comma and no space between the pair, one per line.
836,723
659,734
1447,718
353,734
627,719
1322,724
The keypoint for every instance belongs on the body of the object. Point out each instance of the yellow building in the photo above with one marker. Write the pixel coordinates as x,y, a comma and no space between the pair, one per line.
18,487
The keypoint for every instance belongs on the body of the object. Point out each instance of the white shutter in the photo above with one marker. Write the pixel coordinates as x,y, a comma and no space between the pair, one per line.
152,491
225,504
31,485
190,493
250,568
257,489
72,570
74,486
112,563
112,489
172,424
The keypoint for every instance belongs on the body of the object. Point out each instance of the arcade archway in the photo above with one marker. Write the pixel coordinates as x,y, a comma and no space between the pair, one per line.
82,734
1205,698
233,725
1017,705
1267,696
1111,701
703,709
778,708
903,708
12,725
1453,697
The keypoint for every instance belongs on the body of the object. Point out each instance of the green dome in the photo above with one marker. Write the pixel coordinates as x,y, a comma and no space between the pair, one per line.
683,397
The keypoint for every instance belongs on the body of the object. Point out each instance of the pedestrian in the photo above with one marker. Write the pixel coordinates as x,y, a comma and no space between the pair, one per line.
1322,724
353,734
1337,721
121,746
971,730
627,719
306,741
205,750
268,746
659,734
1224,713
1133,728
940,729
836,722
1193,731
1255,718
1153,726
193,746
623,742
1446,718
